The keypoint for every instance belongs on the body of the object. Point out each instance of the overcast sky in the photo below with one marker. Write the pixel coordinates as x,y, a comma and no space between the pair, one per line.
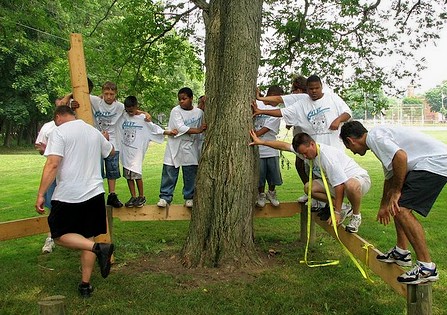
436,71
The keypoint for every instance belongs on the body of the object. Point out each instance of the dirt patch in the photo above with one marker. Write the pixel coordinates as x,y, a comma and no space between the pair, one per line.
169,263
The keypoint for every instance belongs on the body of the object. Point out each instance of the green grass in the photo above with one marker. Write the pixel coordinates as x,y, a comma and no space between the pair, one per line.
148,279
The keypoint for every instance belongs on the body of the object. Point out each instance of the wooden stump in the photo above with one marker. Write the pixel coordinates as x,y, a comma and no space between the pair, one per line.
419,299
52,305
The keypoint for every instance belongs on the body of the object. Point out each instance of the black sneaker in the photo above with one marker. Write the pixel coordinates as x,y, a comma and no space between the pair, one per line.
324,213
139,202
112,200
131,202
104,252
393,256
85,290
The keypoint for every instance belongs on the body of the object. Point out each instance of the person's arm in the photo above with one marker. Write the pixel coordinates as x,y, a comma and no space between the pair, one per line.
171,133
147,116
383,216
272,98
198,130
340,119
279,145
399,164
48,177
270,112
262,131
40,147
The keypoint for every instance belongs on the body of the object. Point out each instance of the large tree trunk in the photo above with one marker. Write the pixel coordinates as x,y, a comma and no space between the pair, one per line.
221,228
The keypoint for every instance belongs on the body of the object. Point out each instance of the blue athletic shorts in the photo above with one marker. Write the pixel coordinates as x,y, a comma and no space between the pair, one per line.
269,171
112,166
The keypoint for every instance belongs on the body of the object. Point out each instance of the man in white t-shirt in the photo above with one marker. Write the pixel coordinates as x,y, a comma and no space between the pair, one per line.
106,112
317,113
267,128
182,150
344,176
78,211
415,168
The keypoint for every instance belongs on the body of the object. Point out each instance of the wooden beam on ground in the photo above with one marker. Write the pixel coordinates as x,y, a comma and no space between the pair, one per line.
25,227
78,76
366,253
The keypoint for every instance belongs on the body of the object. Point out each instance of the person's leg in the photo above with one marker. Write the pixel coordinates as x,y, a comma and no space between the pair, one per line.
354,194
112,174
140,187
75,241
131,185
189,180
414,233
318,191
169,179
88,259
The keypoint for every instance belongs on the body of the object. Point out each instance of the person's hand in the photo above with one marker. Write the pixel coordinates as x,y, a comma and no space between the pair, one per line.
337,218
204,127
255,138
393,205
173,132
255,109
334,125
39,204
383,216
74,104
106,135
40,147
258,94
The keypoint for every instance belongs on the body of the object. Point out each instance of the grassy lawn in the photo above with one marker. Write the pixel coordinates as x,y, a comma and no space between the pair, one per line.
147,277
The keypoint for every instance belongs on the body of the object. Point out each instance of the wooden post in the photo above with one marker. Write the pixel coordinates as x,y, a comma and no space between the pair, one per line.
78,75
419,299
52,305
303,224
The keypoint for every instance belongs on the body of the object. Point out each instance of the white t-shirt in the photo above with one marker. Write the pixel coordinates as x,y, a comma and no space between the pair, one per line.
423,152
183,149
106,117
337,166
136,133
272,123
45,132
315,117
81,147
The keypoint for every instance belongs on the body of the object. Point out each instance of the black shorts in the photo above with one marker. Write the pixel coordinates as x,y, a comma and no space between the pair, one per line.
420,190
86,218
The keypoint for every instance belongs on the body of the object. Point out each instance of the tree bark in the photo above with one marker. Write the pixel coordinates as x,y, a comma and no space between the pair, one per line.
221,228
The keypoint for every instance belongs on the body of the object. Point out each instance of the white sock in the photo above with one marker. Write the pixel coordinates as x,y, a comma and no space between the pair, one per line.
429,265
402,251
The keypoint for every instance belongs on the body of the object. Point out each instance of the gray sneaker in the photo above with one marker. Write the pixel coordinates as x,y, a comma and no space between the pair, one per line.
260,202
419,274
131,202
139,202
271,196
353,226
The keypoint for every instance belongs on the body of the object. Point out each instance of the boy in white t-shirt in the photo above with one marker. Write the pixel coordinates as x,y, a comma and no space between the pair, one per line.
106,112
267,128
136,131
182,149
344,176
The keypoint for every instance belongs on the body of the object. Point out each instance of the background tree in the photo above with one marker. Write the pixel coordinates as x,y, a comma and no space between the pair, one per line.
437,98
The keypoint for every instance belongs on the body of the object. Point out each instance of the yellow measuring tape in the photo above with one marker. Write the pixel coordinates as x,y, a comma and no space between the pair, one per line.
334,224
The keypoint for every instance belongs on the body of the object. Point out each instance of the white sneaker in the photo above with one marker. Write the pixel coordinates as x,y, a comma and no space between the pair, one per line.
271,196
353,226
48,246
188,203
162,203
303,198
260,202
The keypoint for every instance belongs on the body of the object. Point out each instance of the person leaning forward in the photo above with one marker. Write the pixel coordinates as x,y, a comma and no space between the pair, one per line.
415,168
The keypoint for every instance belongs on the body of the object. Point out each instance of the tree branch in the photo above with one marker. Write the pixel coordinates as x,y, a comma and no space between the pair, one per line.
411,11
105,16
202,4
